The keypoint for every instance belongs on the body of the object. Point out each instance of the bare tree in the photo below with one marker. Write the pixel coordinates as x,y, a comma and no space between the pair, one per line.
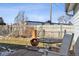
64,19
21,17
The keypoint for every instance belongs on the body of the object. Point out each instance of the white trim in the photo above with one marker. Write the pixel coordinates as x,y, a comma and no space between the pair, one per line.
75,21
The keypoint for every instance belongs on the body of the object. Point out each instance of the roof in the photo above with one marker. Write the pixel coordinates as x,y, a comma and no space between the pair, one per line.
69,6
39,23
1,21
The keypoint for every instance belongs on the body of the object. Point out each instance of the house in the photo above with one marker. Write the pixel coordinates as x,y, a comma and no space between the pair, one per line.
53,30
1,21
72,9
2,26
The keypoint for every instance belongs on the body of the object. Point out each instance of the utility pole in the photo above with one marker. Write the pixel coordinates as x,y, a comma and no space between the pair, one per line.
50,12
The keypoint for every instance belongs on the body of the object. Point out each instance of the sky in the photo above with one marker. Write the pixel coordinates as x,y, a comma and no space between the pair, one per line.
34,11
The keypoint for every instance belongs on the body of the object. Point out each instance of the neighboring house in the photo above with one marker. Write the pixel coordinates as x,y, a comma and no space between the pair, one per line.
53,30
2,25
72,9
1,21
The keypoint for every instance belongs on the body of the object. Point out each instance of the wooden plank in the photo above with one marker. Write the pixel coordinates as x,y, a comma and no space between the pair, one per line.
76,47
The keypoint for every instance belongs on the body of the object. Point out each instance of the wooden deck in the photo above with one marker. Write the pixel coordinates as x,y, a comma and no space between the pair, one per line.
20,41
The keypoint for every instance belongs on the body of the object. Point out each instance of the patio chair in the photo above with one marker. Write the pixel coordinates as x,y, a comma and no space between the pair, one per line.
64,49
